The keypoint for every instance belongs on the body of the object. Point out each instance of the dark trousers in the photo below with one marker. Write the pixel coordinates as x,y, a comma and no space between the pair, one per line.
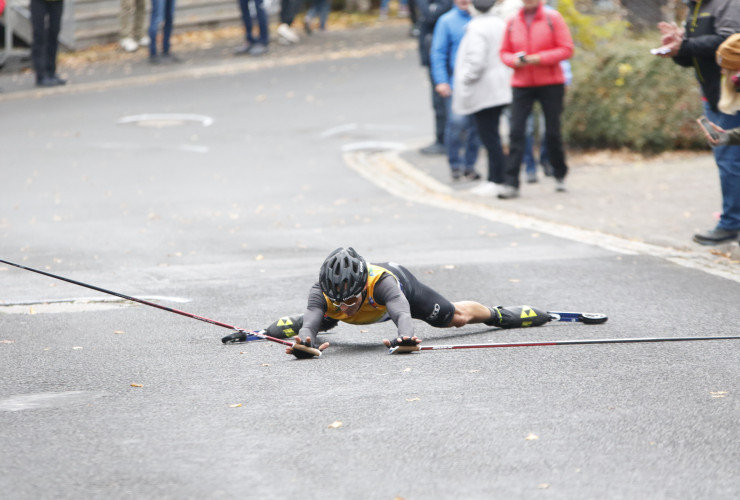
46,21
264,37
163,11
440,112
550,98
288,10
487,120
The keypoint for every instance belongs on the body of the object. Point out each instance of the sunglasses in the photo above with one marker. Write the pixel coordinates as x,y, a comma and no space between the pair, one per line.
350,301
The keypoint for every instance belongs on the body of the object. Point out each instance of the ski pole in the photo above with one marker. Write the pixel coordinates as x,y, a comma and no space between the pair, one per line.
405,349
311,350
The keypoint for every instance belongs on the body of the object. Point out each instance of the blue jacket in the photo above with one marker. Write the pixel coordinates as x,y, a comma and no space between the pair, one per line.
448,32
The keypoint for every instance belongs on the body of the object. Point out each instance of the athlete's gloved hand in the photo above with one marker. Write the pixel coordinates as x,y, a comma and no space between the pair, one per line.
405,341
301,354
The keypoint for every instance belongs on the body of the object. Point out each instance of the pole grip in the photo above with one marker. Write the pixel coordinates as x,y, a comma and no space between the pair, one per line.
403,349
310,350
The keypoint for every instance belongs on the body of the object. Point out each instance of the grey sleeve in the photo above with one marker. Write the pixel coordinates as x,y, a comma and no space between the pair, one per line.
731,138
388,293
313,315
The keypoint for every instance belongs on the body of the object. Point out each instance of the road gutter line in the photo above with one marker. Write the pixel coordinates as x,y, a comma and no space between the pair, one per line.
234,68
397,176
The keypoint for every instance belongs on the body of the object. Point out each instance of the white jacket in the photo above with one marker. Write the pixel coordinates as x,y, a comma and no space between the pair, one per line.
481,80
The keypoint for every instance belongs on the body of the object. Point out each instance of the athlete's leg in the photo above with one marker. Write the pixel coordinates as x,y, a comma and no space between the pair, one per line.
469,312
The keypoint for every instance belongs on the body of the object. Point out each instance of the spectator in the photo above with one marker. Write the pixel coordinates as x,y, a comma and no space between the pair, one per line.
460,131
707,26
530,162
253,46
535,41
288,9
320,8
132,25
482,86
162,11
429,12
46,22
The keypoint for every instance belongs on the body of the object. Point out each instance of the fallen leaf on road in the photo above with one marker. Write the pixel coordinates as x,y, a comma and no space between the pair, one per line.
543,486
531,437
118,332
136,385
266,364
7,341
719,394
237,405
412,399
77,347
335,425
259,257
407,369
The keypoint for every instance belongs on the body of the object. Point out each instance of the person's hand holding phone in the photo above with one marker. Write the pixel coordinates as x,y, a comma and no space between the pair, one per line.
712,132
671,38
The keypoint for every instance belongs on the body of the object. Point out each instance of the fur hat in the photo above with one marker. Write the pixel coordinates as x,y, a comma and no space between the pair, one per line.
729,95
728,57
728,53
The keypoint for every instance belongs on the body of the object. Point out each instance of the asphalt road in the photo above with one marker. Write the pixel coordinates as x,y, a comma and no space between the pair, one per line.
230,219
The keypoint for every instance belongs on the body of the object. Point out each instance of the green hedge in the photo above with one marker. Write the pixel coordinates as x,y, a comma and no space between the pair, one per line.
623,97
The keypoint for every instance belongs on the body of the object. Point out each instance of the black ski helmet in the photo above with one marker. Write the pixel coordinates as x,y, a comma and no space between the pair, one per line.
343,274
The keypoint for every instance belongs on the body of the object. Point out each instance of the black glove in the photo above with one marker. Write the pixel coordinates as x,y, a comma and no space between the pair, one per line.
407,342
302,354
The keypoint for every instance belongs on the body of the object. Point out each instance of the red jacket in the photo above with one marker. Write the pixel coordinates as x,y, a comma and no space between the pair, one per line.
548,36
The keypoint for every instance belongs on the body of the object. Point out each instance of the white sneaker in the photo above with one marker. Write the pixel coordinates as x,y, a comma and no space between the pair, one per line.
144,42
508,192
486,189
284,31
129,45
560,185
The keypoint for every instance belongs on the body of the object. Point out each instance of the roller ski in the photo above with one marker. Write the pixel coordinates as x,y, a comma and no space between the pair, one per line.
576,317
517,317
284,328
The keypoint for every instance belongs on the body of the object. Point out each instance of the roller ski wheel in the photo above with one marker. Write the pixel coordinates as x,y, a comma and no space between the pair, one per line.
593,318
573,317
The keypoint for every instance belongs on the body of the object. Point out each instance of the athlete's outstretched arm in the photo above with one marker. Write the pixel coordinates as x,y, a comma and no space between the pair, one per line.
388,293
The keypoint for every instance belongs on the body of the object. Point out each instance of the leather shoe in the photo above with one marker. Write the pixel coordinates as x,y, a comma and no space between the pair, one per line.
46,81
716,236
59,81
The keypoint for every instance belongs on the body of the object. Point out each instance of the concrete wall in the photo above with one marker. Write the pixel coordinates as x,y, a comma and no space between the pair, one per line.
92,22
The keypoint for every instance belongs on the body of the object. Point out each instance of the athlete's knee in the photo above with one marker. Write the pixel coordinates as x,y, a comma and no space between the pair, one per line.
462,316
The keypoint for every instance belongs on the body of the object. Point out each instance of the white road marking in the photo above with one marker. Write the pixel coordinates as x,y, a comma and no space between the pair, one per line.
166,119
47,400
374,146
79,304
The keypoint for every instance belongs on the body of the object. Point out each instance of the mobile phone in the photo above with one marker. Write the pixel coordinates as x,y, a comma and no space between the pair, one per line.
708,127
659,51
520,56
